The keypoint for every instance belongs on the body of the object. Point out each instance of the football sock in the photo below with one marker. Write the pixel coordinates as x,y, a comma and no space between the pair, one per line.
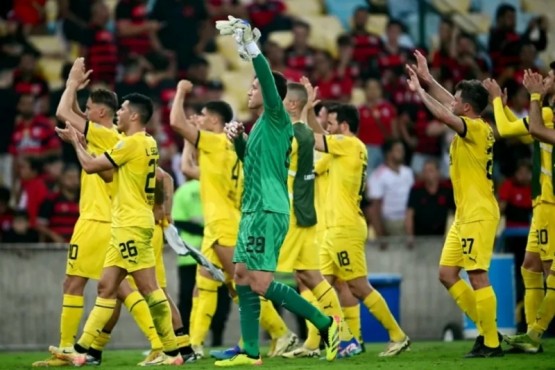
352,318
465,297
282,294
137,307
99,343
206,307
313,335
534,293
378,307
329,303
486,307
249,315
72,312
99,316
270,320
161,316
546,310
193,317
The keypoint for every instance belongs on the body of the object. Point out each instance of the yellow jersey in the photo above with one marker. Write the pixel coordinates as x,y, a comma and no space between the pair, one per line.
471,165
347,180
96,195
546,163
321,184
135,159
221,177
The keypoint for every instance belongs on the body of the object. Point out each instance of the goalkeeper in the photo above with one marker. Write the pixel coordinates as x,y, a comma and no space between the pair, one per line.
265,204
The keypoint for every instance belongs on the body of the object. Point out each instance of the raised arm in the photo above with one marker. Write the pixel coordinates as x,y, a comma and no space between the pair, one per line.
270,94
537,86
435,89
178,120
188,165
441,112
68,109
308,115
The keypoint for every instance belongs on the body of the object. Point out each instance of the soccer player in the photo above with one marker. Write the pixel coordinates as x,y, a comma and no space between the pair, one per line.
298,249
343,254
541,130
265,206
470,241
221,178
539,253
92,231
130,252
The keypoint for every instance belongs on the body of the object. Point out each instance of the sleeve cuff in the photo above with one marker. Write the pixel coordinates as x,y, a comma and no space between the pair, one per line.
525,120
465,128
86,130
111,160
325,144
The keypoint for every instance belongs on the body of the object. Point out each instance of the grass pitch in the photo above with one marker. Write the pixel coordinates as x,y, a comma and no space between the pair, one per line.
422,356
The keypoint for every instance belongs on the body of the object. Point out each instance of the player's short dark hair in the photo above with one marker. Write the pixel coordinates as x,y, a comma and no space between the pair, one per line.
389,144
347,113
299,89
221,108
142,105
5,195
473,93
281,84
105,97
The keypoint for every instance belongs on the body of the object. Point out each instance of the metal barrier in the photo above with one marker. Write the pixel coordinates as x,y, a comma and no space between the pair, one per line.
31,279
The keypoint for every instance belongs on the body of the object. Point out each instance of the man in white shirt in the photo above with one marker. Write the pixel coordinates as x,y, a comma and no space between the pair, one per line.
388,189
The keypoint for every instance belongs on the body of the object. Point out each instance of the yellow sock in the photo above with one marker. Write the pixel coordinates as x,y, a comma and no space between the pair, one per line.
313,334
183,341
206,307
137,307
162,317
72,312
99,316
547,308
270,320
486,307
465,297
352,318
329,303
101,341
378,307
193,316
533,294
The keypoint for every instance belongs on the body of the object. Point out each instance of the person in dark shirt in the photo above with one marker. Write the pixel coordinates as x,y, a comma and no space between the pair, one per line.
20,232
429,204
14,42
134,30
6,212
60,211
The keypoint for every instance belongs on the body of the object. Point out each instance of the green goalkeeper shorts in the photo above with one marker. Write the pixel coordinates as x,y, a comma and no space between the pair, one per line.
261,235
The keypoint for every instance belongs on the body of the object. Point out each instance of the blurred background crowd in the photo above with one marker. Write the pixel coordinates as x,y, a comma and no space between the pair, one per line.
353,50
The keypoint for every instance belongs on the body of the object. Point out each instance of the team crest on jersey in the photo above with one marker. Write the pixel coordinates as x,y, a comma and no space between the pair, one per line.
339,137
119,145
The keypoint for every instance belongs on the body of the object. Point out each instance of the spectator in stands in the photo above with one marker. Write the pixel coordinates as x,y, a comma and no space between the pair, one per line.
165,138
429,204
447,35
31,13
527,57
366,45
102,52
59,212
518,99
276,57
14,42
27,80
32,189
6,212
33,134
182,34
393,56
300,55
134,29
220,9
388,190
504,41
377,123
204,89
53,168
20,231
76,16
133,78
330,85
347,66
8,104
268,16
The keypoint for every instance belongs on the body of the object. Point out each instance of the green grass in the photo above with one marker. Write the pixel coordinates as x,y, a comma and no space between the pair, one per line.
423,356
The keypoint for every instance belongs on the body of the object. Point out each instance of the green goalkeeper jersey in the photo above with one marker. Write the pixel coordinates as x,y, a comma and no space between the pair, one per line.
267,150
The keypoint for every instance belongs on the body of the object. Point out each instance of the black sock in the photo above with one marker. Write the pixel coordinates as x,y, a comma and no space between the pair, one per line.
79,349
186,351
180,331
173,353
95,353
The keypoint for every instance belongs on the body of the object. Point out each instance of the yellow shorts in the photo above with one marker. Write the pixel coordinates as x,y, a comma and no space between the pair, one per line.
221,232
469,245
158,245
131,249
298,251
343,253
87,248
542,232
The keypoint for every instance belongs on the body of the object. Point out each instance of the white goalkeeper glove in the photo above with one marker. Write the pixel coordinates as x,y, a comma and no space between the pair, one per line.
245,36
